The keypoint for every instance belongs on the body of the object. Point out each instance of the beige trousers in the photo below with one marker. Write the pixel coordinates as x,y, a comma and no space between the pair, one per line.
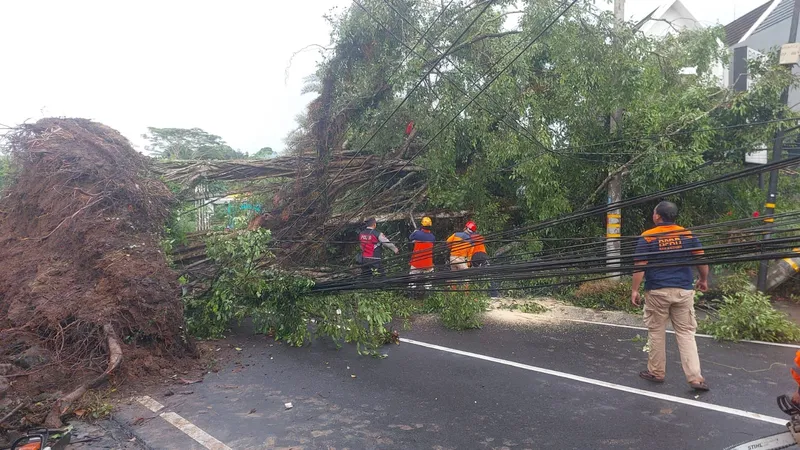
458,263
415,271
677,305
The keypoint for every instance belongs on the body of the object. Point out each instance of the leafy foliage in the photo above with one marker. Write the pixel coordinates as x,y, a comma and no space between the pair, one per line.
279,303
357,318
749,315
735,283
458,310
240,284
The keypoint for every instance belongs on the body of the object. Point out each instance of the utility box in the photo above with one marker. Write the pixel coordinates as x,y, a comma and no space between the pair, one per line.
757,157
790,54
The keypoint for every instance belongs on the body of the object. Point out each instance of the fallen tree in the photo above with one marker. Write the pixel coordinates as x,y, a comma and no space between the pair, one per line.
308,199
190,172
82,278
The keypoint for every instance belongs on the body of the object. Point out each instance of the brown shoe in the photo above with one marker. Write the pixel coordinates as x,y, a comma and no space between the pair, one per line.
647,375
700,386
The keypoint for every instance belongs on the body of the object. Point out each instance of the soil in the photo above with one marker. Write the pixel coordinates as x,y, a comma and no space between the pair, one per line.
81,264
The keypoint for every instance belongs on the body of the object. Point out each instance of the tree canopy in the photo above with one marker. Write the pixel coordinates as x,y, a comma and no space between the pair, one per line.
193,143
535,142
265,153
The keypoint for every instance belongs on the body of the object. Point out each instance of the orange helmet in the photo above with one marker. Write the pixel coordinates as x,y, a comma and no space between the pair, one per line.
471,226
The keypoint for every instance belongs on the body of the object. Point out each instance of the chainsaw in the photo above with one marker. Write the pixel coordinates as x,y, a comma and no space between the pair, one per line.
787,439
43,439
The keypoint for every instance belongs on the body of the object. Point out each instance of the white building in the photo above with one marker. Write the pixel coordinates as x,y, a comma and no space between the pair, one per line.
669,17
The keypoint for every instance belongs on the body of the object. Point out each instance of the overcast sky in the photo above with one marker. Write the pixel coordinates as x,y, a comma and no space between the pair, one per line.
219,66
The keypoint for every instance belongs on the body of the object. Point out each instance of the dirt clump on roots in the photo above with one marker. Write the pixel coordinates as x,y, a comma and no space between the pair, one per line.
84,284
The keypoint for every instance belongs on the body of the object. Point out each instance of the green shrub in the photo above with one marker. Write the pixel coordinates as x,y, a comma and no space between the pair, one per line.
462,310
282,304
735,283
603,294
243,286
750,316
360,318
433,303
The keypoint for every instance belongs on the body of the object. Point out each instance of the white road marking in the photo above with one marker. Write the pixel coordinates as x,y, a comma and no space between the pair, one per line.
149,403
191,430
776,344
618,387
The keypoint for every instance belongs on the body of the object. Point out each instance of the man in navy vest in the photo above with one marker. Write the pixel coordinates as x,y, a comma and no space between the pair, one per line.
372,242
669,293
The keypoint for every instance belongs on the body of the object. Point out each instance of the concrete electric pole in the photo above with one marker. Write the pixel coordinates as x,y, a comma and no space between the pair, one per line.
614,217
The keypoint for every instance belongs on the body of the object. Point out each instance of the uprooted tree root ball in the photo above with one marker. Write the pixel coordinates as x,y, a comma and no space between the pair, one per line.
83,283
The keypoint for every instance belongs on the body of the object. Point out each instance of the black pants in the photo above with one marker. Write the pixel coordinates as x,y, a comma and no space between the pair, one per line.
483,261
371,268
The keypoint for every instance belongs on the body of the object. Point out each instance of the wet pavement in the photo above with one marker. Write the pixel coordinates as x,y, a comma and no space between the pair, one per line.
510,385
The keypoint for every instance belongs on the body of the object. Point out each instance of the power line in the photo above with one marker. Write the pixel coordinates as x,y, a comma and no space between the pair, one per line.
649,197
791,218
401,262
644,198
715,254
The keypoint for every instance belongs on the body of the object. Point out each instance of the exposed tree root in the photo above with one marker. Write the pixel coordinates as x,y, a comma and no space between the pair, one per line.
62,405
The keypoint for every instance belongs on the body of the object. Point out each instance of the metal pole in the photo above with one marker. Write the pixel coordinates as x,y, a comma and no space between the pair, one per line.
614,217
777,154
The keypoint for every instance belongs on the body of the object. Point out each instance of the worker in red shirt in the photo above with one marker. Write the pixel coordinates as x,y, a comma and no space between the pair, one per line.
422,255
372,242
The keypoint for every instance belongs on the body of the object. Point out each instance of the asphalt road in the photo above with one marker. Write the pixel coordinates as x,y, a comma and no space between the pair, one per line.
576,388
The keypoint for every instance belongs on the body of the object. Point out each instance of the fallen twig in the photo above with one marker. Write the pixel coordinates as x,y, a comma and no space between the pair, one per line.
83,441
13,411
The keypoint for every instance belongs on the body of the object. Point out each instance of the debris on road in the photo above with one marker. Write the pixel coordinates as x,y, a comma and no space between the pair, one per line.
288,405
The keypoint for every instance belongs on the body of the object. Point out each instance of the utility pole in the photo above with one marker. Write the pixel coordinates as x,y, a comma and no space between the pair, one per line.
614,217
777,154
